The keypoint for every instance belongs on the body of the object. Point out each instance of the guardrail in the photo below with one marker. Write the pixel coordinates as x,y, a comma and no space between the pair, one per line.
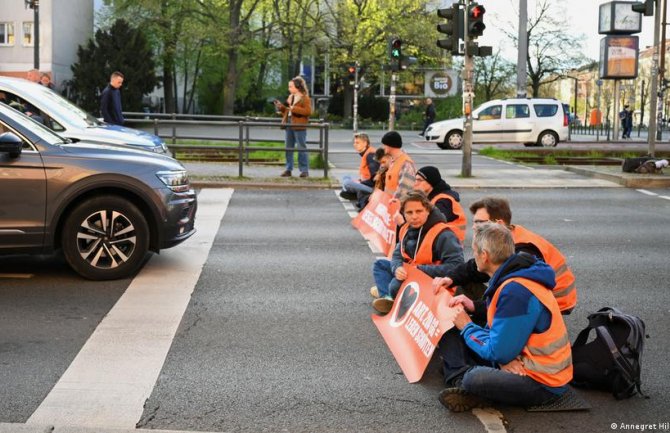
243,139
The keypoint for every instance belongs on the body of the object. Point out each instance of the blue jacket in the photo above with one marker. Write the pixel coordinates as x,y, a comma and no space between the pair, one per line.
110,106
518,313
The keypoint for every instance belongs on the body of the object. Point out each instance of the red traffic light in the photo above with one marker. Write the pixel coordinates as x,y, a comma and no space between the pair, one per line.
477,11
352,69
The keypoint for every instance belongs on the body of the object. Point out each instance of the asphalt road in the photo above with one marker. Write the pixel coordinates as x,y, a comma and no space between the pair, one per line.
277,335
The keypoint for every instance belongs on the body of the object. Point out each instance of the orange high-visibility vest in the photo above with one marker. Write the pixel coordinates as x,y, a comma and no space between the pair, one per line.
546,357
364,168
393,173
458,225
424,255
565,291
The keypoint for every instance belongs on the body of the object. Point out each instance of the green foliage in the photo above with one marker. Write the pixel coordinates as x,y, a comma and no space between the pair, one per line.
124,49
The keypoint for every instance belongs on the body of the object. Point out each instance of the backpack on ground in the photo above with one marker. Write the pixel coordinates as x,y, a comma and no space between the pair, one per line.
631,165
610,362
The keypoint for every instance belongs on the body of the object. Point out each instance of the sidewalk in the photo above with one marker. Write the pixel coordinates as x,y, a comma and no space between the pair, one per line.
486,173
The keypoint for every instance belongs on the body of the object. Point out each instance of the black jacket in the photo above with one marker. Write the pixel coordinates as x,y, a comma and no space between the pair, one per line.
444,205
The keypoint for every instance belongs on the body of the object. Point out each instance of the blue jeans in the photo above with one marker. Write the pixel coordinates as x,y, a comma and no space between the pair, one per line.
299,137
350,185
386,283
506,388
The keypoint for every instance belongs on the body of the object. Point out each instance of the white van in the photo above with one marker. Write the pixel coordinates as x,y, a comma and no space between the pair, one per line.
531,121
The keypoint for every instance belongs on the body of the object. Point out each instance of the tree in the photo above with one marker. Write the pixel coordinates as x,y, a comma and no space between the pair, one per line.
551,50
493,77
124,49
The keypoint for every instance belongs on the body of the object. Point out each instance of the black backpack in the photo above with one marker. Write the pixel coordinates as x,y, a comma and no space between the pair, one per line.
610,362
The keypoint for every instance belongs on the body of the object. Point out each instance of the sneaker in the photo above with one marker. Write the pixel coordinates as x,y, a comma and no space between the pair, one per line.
383,305
374,292
458,400
304,174
348,195
285,173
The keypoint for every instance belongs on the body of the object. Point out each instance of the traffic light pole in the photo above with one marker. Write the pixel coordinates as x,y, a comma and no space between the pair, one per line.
468,98
394,80
356,98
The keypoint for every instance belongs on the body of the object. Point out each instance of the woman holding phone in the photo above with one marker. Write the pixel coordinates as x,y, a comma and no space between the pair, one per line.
295,114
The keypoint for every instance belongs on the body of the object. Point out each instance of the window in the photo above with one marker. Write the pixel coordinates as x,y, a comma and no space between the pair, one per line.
28,36
490,113
545,110
517,111
6,34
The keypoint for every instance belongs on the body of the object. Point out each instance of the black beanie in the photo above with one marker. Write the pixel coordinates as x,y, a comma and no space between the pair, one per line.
430,174
392,139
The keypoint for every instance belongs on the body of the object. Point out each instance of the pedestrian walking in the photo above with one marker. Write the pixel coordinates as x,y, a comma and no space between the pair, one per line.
110,100
295,114
428,116
626,118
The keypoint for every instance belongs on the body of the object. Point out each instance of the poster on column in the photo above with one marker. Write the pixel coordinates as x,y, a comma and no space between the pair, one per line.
375,222
416,323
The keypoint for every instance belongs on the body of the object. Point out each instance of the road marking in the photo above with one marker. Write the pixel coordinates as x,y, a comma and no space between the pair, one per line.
114,373
17,276
665,197
491,418
644,191
353,214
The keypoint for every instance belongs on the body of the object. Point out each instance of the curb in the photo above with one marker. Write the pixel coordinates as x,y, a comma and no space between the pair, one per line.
252,184
627,180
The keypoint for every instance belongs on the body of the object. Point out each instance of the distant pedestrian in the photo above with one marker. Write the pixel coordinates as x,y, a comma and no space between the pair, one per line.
295,114
626,118
110,101
45,80
34,75
428,116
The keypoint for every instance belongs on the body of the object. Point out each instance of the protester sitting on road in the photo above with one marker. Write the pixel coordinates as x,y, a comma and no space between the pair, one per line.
400,175
440,194
384,161
425,241
361,189
497,210
522,355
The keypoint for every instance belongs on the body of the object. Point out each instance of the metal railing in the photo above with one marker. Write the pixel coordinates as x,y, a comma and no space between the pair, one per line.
243,138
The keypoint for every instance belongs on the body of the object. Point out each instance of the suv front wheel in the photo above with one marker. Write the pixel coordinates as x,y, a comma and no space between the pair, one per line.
105,238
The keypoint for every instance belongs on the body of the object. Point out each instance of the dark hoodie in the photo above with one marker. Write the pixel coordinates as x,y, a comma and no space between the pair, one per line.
518,312
444,205
446,248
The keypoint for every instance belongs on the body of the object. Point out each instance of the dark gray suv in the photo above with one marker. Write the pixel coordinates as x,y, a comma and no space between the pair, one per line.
105,206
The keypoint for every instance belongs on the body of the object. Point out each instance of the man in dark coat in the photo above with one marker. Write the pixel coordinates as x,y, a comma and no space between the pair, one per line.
110,101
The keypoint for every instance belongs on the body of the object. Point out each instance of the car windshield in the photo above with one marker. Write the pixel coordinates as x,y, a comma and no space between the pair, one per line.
36,128
51,101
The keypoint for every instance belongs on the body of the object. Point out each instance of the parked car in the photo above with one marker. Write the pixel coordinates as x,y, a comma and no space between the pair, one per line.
68,120
531,121
104,206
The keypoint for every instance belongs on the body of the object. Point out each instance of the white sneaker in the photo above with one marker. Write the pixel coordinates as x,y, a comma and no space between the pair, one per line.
374,292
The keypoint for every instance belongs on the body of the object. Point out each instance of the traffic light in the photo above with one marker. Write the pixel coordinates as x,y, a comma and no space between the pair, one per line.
476,24
395,53
645,8
351,69
453,28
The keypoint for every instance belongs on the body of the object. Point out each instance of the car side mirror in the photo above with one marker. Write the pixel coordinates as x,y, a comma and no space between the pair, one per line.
475,116
10,143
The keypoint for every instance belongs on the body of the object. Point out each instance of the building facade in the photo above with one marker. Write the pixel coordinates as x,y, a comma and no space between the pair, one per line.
63,26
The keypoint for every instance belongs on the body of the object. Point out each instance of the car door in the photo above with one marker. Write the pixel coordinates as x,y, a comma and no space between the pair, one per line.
22,198
487,126
518,124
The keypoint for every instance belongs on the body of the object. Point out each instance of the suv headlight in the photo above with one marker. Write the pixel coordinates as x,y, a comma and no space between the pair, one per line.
176,180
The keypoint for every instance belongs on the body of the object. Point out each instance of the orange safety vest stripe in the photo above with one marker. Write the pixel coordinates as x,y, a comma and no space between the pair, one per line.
460,224
547,356
364,168
424,256
565,290
393,173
